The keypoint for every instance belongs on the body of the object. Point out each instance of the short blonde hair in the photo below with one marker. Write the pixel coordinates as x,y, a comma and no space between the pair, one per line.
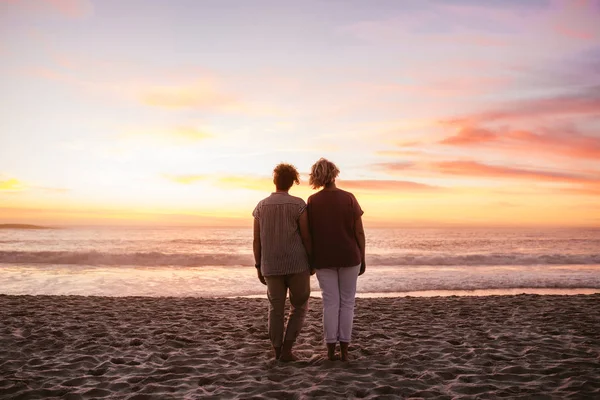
322,173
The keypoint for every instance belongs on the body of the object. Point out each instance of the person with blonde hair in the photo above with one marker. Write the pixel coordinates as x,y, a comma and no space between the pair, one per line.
338,253
281,252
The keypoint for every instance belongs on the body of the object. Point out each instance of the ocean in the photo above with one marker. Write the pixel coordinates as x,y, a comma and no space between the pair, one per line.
205,262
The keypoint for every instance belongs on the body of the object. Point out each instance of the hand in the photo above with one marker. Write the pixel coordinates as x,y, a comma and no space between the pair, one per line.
363,267
261,278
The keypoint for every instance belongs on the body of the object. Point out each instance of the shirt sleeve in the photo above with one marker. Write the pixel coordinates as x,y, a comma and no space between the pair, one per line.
256,212
358,212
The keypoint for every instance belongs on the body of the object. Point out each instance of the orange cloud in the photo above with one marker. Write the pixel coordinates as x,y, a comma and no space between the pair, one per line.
589,191
189,133
246,182
395,166
229,181
185,179
201,95
184,134
469,136
265,184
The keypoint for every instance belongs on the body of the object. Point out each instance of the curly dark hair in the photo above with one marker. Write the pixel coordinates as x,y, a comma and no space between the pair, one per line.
285,175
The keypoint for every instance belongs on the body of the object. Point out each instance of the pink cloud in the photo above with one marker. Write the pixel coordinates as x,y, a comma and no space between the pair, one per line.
68,8
476,169
575,105
469,136
401,153
395,166
384,185
568,142
72,8
483,129
577,19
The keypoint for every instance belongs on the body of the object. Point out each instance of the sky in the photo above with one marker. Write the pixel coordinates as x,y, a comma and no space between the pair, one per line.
437,113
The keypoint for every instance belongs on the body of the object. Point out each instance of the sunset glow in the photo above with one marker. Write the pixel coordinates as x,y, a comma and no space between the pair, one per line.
174,113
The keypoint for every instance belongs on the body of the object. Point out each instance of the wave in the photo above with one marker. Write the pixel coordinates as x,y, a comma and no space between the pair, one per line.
228,259
140,258
483,259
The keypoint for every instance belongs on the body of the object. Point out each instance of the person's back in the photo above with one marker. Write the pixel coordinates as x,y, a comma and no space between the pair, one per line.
338,253
282,249
332,216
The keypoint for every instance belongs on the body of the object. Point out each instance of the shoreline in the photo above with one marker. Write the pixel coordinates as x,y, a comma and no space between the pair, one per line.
518,347
49,279
461,293
367,295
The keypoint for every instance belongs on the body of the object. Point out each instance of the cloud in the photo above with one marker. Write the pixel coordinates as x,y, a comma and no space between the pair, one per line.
476,169
577,19
228,181
52,189
12,185
385,185
185,179
400,153
428,82
501,127
567,142
177,134
394,166
201,95
72,8
265,184
586,191
189,133
246,182
580,104
469,136
503,204
463,25
75,9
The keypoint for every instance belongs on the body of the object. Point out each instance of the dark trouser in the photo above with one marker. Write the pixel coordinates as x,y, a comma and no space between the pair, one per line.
277,287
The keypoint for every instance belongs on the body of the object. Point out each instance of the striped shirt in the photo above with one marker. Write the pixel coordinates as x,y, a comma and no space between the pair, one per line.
282,250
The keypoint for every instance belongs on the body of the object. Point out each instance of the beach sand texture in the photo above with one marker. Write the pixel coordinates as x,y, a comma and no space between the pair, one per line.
161,348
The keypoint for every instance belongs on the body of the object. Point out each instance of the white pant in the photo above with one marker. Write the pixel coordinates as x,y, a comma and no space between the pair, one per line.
338,288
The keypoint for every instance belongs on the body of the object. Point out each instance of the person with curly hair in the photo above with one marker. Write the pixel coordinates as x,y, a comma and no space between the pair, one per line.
281,248
338,253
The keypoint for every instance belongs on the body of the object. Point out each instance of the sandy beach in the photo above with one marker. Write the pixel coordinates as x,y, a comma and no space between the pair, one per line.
523,346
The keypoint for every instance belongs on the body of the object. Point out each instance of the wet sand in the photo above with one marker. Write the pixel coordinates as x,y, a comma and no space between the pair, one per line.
522,346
